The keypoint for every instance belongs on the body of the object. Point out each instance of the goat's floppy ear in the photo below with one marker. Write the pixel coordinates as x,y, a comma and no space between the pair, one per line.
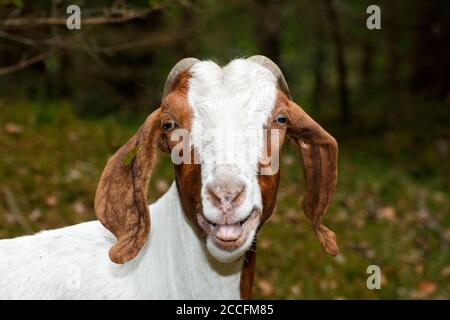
319,152
121,196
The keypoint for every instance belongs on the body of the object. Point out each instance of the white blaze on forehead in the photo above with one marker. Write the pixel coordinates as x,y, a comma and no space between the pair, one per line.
230,105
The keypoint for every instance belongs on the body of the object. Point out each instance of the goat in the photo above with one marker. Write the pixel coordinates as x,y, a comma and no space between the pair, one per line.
202,244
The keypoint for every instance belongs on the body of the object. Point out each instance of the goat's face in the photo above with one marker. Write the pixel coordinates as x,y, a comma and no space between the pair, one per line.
231,109
224,128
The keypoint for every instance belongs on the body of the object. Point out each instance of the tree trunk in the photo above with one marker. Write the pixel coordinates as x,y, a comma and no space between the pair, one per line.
394,62
340,61
319,59
187,46
268,28
366,67
393,38
430,56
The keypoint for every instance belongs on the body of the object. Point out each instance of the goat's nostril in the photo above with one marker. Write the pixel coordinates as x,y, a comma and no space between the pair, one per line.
226,195
214,195
237,196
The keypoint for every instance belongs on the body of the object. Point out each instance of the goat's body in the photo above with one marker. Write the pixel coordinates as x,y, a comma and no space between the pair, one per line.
73,263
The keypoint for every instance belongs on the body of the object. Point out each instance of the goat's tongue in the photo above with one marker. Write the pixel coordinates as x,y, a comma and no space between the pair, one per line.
228,232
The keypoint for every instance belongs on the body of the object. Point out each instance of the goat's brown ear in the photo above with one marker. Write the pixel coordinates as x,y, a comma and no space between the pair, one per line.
319,152
121,196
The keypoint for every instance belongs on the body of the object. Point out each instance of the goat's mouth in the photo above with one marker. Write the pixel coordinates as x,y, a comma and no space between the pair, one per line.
230,236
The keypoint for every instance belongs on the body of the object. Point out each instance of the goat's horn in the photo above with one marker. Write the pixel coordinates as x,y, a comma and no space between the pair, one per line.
269,64
181,65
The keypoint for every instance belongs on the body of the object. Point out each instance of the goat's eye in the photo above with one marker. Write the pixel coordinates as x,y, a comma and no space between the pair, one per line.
168,125
281,119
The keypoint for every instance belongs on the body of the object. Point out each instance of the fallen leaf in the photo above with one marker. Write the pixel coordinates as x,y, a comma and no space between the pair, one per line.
327,285
13,128
419,268
79,207
446,271
162,186
264,243
387,213
340,259
296,290
265,287
426,287
34,215
74,174
51,201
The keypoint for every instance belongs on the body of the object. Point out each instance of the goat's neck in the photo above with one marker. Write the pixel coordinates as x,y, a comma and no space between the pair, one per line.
175,259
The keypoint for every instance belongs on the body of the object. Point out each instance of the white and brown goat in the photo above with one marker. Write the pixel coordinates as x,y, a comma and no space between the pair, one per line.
202,243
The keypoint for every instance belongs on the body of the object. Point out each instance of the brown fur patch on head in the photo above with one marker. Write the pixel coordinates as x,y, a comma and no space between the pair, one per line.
269,183
181,84
188,180
187,176
175,107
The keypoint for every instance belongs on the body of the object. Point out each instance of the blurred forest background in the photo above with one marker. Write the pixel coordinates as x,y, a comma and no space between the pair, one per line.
70,98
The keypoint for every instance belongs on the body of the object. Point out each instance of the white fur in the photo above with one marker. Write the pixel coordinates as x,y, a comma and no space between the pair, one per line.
230,107
172,265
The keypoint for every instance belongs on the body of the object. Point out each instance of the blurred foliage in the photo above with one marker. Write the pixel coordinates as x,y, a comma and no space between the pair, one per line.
62,117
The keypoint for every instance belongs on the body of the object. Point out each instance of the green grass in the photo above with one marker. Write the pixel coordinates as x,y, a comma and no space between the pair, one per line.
390,209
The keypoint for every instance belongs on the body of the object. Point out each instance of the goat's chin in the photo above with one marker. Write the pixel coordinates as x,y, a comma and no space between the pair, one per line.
228,256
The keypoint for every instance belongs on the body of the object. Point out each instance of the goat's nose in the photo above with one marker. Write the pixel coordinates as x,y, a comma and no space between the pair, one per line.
226,194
